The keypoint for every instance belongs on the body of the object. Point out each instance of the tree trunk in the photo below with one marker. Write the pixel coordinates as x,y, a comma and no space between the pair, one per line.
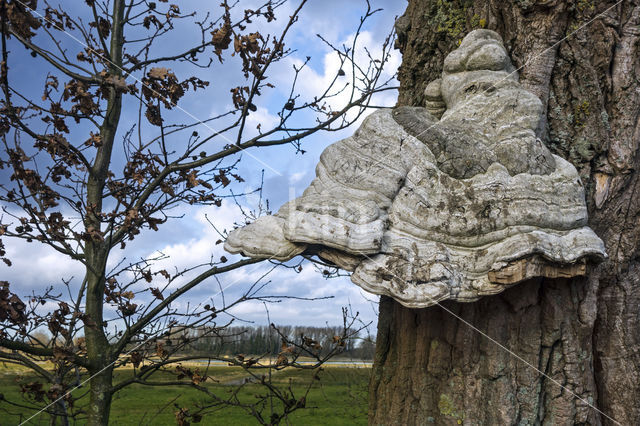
99,351
100,397
476,363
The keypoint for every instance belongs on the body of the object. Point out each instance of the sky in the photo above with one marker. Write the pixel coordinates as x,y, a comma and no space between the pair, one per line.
190,239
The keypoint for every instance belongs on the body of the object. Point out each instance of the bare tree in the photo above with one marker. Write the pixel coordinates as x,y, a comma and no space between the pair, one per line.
79,180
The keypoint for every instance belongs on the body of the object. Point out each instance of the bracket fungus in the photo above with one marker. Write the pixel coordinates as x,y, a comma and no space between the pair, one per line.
455,200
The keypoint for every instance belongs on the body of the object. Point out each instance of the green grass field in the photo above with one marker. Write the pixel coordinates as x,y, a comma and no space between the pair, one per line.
338,398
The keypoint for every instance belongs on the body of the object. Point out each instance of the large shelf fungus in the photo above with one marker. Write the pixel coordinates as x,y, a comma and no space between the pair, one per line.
456,200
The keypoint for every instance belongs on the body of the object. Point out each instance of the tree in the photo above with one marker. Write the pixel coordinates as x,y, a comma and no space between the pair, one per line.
545,351
82,178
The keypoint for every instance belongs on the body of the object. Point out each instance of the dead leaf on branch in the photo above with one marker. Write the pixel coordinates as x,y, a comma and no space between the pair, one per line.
151,19
21,21
282,360
12,309
157,293
128,295
153,115
192,179
103,26
311,343
222,178
160,350
159,73
221,37
128,309
136,358
94,140
33,390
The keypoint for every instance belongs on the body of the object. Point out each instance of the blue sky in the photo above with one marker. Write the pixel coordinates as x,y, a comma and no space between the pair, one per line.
191,239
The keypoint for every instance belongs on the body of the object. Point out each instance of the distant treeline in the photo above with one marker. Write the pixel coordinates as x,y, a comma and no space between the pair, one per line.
260,340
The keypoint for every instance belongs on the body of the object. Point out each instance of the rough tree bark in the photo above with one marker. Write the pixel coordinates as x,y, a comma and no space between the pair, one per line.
584,333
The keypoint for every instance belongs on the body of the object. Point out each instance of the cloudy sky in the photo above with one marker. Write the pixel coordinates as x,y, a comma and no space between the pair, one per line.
191,239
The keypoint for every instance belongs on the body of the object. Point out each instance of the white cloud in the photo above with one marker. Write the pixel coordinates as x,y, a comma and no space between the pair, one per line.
262,117
36,266
297,177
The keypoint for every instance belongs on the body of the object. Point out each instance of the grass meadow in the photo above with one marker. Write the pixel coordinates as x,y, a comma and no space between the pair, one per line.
338,398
